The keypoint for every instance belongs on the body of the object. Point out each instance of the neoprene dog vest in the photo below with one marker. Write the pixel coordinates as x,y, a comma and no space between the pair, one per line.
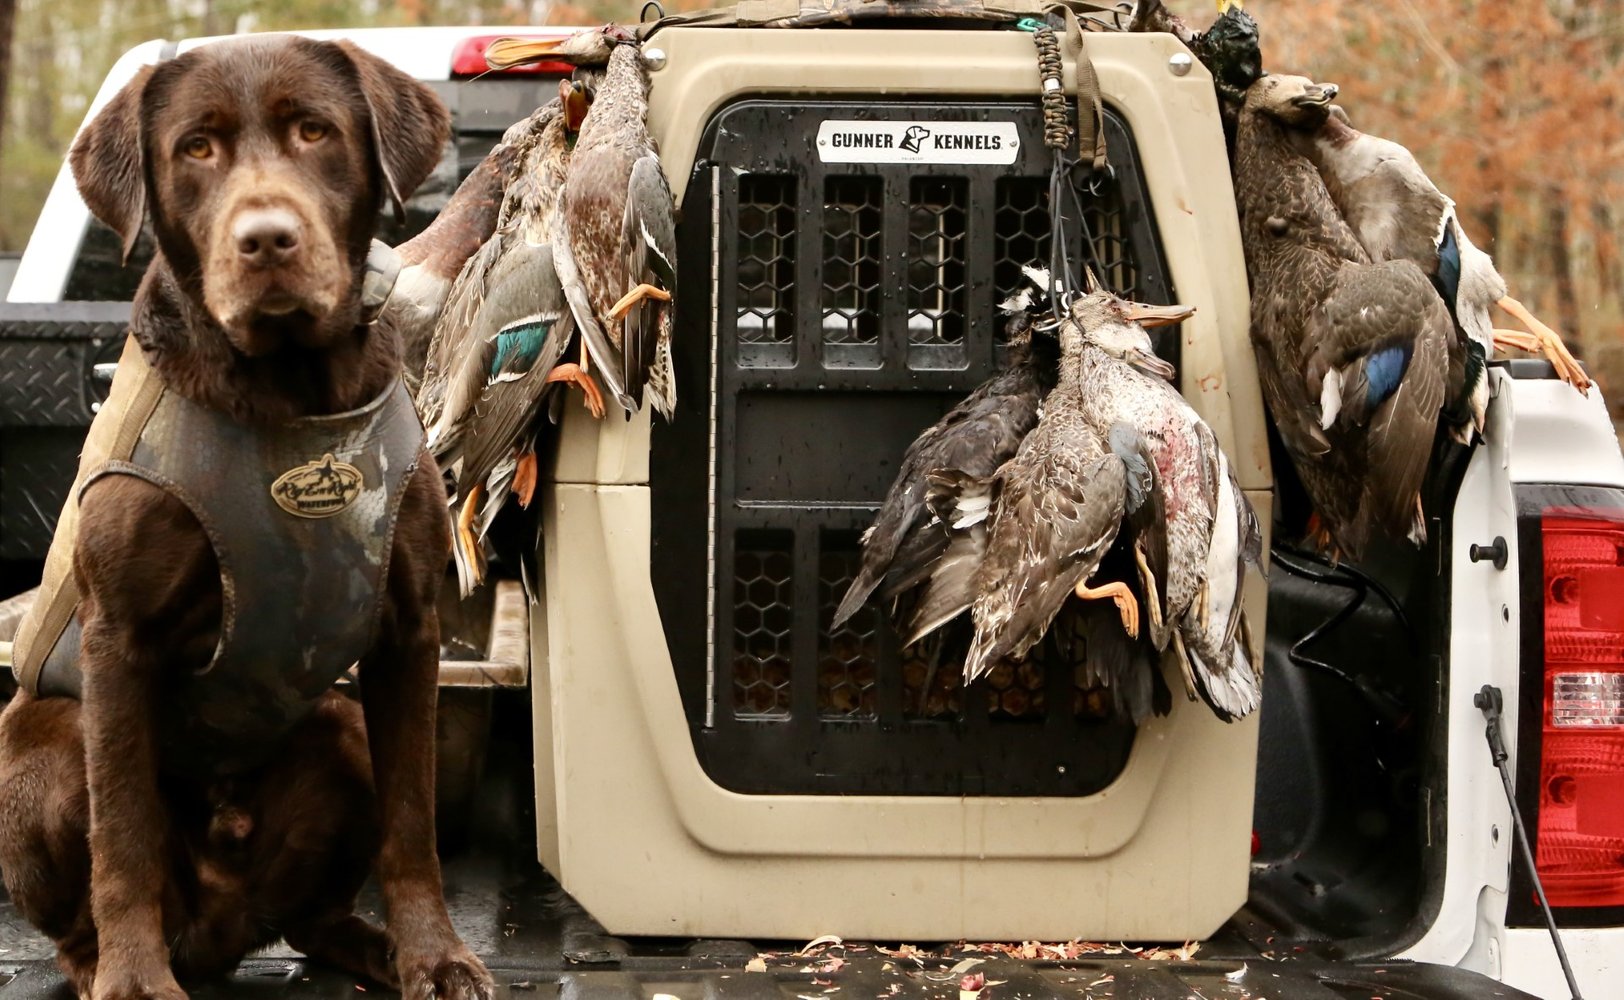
301,517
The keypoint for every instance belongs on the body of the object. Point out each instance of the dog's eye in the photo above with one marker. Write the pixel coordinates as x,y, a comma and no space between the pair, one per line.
198,147
311,131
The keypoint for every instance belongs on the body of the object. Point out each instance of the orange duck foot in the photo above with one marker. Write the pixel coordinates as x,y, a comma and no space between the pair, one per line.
524,478
465,522
636,295
1543,340
1118,592
577,375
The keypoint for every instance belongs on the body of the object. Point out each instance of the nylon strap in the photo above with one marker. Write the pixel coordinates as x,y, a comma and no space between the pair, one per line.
821,13
1073,14
1090,109
113,435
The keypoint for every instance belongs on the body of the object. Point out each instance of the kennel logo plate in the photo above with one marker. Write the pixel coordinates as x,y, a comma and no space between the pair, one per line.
320,488
917,142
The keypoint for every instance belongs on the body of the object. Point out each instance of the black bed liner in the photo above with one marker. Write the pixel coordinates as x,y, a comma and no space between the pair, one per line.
539,943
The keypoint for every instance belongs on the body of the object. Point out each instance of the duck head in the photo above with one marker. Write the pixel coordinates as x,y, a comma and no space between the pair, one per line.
1118,327
576,98
1295,101
584,48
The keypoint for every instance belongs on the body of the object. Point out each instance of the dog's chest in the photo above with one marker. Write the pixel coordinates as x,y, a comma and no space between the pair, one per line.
301,518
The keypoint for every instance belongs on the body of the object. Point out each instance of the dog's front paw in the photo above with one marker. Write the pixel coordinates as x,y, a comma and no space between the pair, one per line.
129,984
455,974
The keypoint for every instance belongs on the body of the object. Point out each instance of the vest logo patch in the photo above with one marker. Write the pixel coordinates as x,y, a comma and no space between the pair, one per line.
317,489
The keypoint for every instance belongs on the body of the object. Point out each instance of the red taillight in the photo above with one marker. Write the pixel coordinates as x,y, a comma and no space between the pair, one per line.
469,59
1580,851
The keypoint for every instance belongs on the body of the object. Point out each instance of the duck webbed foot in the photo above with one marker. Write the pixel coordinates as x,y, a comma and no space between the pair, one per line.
577,375
636,295
1319,539
1541,339
1118,592
467,544
525,470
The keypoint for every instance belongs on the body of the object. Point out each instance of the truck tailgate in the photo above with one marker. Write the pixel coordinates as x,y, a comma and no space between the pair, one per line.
539,943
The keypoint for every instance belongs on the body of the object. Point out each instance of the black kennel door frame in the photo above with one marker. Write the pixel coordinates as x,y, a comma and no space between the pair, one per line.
812,344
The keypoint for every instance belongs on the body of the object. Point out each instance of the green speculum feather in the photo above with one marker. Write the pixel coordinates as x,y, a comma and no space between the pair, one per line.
518,347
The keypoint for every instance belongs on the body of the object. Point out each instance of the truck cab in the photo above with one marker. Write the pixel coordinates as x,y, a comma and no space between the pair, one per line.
698,760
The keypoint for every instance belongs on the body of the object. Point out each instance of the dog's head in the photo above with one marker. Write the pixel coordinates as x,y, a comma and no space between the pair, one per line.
261,164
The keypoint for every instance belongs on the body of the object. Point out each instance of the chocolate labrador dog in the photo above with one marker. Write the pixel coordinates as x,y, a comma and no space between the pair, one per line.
209,792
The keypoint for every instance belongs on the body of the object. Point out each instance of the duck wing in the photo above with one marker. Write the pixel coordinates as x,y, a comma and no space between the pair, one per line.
1059,509
529,329
1379,367
453,331
602,353
1219,665
975,437
434,260
962,505
1392,206
1146,526
648,236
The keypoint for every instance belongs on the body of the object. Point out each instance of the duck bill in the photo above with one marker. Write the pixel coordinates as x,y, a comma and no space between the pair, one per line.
1150,364
1151,316
506,53
1318,96
575,101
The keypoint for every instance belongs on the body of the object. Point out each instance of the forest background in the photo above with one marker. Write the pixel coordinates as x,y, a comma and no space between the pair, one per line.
1516,109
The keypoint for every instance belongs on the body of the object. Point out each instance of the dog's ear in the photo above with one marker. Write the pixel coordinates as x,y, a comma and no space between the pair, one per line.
108,164
410,124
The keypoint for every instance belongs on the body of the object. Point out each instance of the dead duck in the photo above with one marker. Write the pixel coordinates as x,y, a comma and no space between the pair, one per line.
500,342
904,545
1228,48
616,255
431,260
1397,213
1048,516
1194,534
1352,354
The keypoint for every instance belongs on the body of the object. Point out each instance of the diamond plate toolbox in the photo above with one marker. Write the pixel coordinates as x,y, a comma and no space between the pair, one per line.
49,389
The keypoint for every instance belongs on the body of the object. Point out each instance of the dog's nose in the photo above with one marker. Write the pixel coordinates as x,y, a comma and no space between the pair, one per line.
266,237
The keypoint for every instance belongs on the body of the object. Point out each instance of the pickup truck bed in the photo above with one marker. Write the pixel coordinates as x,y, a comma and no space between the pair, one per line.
539,943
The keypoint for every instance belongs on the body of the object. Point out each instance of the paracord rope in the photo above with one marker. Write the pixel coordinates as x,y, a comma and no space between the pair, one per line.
1057,136
1057,130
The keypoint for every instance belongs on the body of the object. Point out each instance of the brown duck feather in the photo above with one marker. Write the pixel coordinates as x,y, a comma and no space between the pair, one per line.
1321,312
975,437
619,233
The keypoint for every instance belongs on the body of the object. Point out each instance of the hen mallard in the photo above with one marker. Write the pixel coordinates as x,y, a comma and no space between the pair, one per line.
1194,534
616,251
976,436
1352,355
1397,213
501,338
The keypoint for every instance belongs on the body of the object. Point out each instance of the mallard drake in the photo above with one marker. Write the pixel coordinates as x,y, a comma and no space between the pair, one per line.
500,341
1352,355
1194,533
431,260
1397,213
904,545
616,255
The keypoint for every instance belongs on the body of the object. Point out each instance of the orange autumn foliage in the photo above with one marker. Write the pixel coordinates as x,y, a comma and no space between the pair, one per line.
1516,110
